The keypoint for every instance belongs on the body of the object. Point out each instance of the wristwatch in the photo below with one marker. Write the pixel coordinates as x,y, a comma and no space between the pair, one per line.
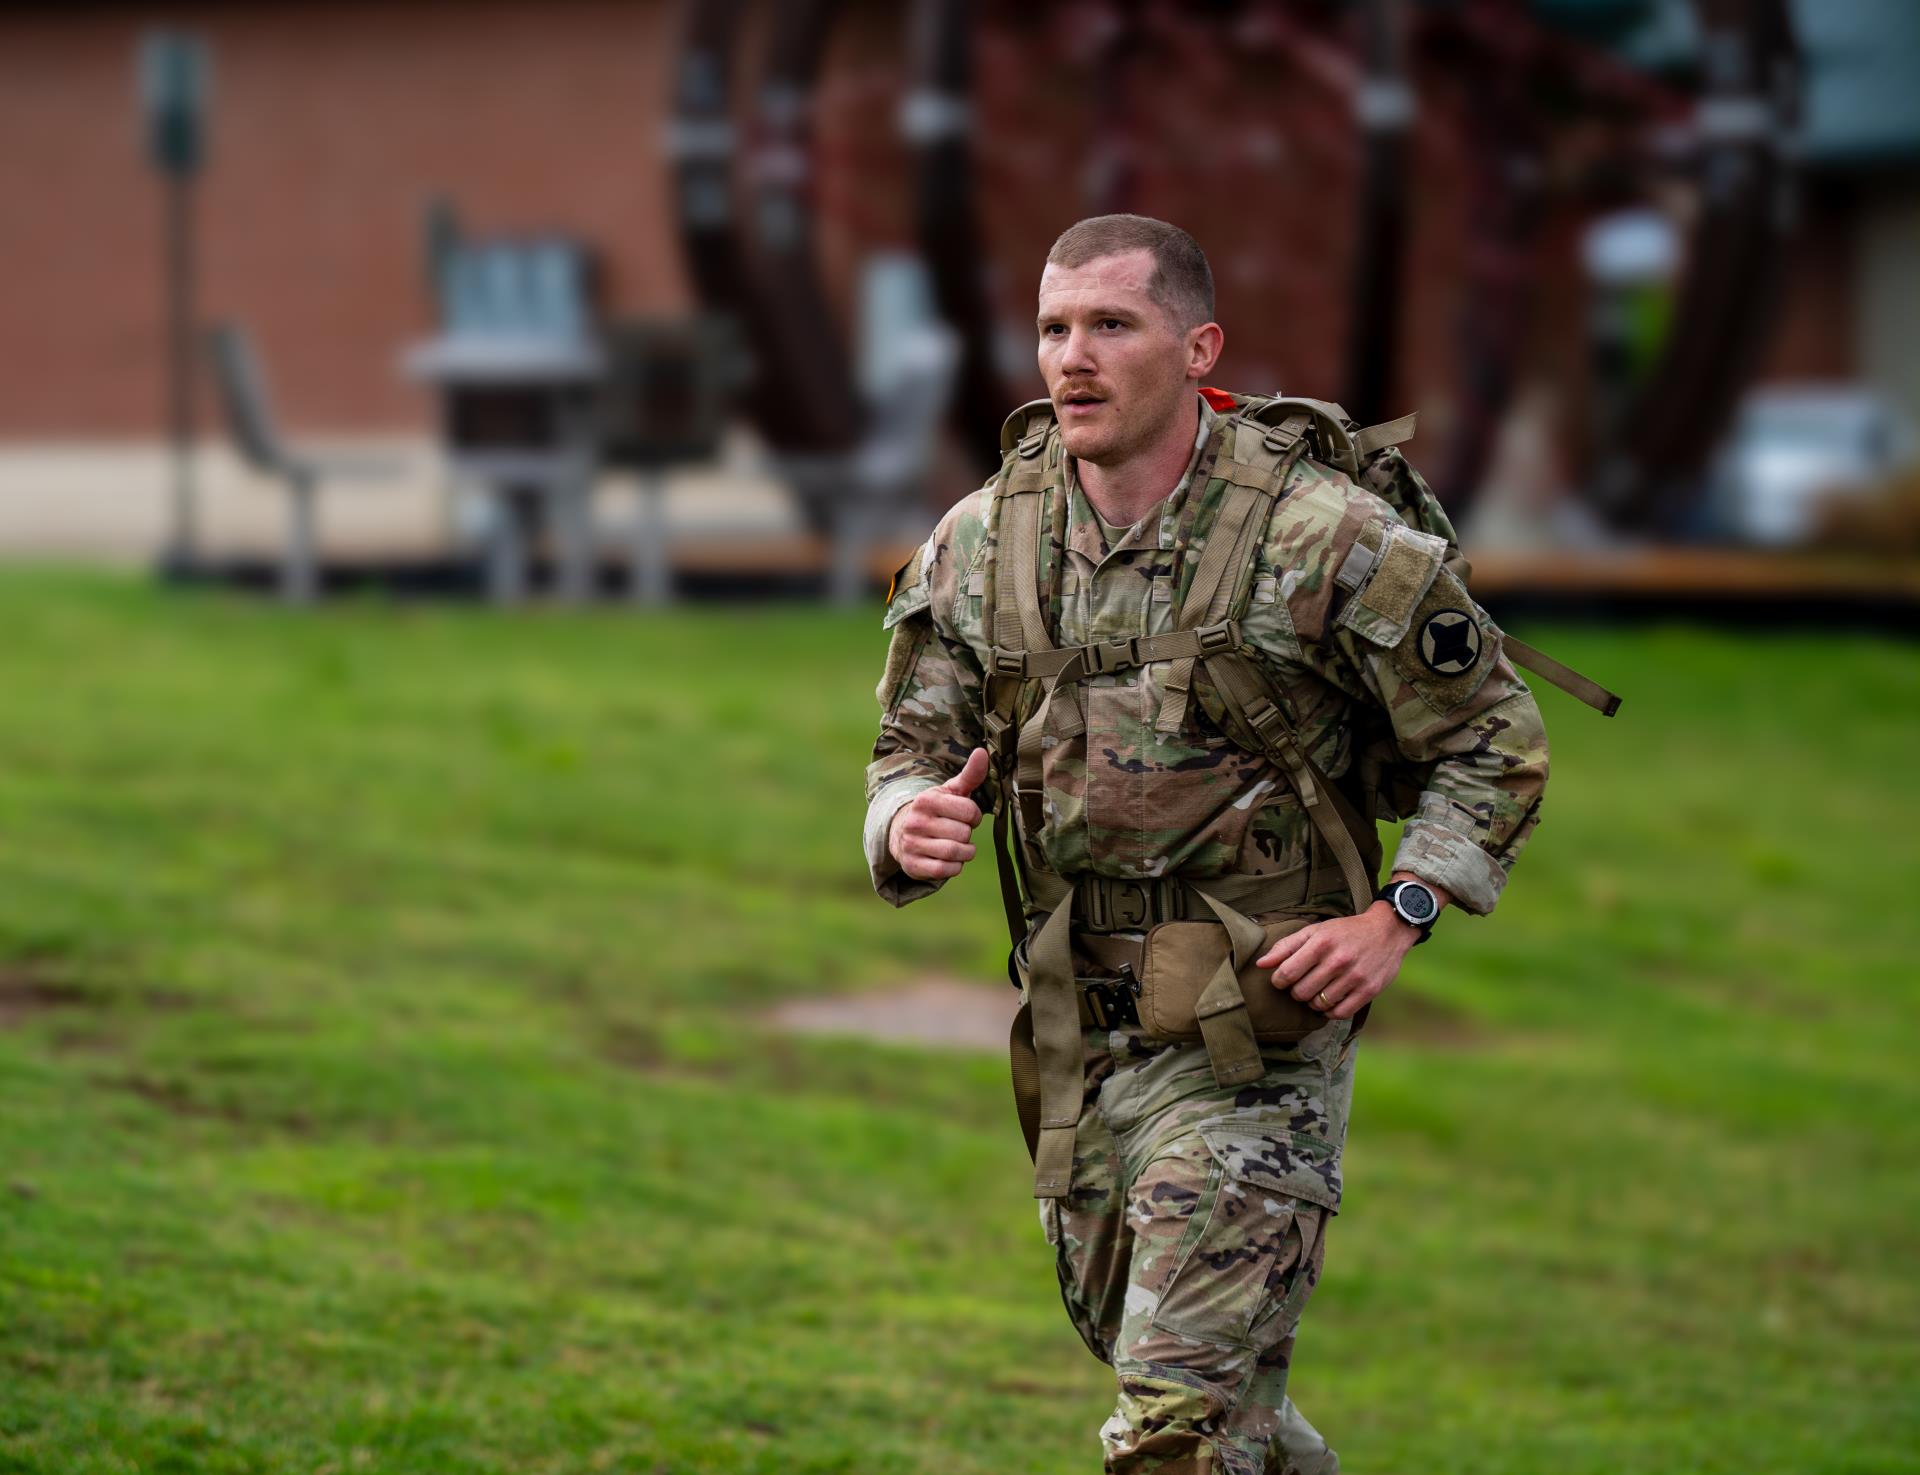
1414,903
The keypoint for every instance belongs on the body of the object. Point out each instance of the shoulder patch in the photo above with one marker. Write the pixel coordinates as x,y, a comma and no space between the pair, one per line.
1390,582
908,590
1450,642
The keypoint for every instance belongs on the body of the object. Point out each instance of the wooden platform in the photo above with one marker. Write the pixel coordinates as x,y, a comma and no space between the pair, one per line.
1690,582
1697,572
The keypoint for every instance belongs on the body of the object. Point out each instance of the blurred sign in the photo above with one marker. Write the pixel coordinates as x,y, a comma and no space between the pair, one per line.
174,81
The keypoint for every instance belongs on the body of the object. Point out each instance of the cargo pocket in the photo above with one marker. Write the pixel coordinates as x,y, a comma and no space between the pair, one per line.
1246,1270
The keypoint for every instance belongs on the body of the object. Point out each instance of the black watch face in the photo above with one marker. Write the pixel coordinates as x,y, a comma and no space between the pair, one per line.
1416,904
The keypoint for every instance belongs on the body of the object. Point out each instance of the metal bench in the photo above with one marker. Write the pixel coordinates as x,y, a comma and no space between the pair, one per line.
256,435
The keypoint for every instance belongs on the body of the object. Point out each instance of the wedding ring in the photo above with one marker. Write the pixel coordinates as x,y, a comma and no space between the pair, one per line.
1320,1001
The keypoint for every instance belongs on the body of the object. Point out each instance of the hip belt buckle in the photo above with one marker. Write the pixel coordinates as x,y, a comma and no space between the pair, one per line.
1113,1002
1128,906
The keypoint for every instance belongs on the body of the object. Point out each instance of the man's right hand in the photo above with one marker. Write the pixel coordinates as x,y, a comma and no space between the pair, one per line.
929,837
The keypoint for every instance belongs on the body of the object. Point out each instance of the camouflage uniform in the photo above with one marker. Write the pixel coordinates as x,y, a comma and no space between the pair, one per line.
1193,1230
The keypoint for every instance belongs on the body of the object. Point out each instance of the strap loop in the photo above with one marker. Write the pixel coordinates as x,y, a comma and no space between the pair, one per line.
1286,435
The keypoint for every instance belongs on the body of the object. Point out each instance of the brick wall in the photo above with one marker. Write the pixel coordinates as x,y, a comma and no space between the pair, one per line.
333,123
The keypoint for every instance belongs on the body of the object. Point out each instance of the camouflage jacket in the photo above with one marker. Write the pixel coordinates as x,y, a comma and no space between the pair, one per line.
1128,799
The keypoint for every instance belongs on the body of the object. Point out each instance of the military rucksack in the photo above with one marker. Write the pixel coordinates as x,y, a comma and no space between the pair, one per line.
1382,784
1025,671
1209,661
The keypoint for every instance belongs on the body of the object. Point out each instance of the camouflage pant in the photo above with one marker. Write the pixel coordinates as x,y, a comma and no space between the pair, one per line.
1190,1240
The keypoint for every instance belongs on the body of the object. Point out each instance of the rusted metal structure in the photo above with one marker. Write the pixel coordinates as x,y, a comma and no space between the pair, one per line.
1550,127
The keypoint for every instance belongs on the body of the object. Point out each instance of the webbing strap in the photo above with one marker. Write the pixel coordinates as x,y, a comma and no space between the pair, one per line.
1174,694
1044,1047
1221,1008
1023,1063
1582,688
1121,898
1071,663
1020,531
1246,694
1379,437
1009,878
1055,1015
1223,550
1209,595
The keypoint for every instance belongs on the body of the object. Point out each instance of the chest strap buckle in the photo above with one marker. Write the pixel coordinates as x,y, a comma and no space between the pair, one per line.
1113,655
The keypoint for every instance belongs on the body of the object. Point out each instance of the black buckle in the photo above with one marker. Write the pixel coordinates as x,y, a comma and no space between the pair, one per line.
1125,906
1113,1002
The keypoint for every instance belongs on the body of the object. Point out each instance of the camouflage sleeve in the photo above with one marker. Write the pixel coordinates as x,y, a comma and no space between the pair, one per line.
1379,617
930,704
1404,631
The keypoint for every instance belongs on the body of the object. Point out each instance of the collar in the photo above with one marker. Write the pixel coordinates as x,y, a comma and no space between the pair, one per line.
1084,534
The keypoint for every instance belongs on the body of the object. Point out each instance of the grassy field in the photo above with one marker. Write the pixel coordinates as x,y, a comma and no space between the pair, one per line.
380,1087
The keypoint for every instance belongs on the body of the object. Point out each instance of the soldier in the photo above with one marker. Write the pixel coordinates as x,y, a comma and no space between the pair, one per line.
1161,647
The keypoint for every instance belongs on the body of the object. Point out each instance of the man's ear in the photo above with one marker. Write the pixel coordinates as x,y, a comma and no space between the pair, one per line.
1203,350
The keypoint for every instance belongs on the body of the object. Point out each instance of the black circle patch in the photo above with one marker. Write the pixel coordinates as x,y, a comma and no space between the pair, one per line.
1450,642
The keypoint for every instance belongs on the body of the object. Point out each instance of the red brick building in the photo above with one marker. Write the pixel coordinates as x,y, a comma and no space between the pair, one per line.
332,125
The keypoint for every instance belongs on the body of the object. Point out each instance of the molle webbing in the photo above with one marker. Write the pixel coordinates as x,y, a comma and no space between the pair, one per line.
1064,664
1049,1081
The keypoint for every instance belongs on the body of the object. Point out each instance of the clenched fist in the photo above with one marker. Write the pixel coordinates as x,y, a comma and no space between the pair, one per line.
929,836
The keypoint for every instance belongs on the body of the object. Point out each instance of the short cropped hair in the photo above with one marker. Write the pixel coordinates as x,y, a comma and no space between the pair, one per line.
1182,282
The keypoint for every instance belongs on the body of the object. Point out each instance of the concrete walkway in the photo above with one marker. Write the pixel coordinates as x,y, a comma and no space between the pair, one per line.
106,502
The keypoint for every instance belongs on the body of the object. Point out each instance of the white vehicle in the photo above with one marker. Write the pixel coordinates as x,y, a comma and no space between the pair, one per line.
1793,449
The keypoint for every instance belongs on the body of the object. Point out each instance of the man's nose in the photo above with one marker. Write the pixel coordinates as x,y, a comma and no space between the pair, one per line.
1077,356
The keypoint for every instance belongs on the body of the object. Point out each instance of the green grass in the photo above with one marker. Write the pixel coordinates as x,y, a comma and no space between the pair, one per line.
380,1088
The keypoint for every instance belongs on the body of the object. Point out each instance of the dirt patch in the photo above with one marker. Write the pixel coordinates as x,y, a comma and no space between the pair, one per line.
631,1047
945,1013
941,1013
91,1019
175,1098
29,989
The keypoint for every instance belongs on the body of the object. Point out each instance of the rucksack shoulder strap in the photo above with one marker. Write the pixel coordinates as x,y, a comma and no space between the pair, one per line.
1331,428
1032,420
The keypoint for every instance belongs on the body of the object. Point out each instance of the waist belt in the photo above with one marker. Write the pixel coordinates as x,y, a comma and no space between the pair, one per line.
1049,1080
1123,904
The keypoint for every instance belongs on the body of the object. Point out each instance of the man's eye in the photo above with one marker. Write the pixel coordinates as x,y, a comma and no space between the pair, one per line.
1111,323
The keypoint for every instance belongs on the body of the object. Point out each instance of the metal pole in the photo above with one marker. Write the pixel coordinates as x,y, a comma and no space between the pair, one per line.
1383,109
183,551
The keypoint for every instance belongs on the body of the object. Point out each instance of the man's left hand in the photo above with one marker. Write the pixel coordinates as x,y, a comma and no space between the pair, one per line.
1338,966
